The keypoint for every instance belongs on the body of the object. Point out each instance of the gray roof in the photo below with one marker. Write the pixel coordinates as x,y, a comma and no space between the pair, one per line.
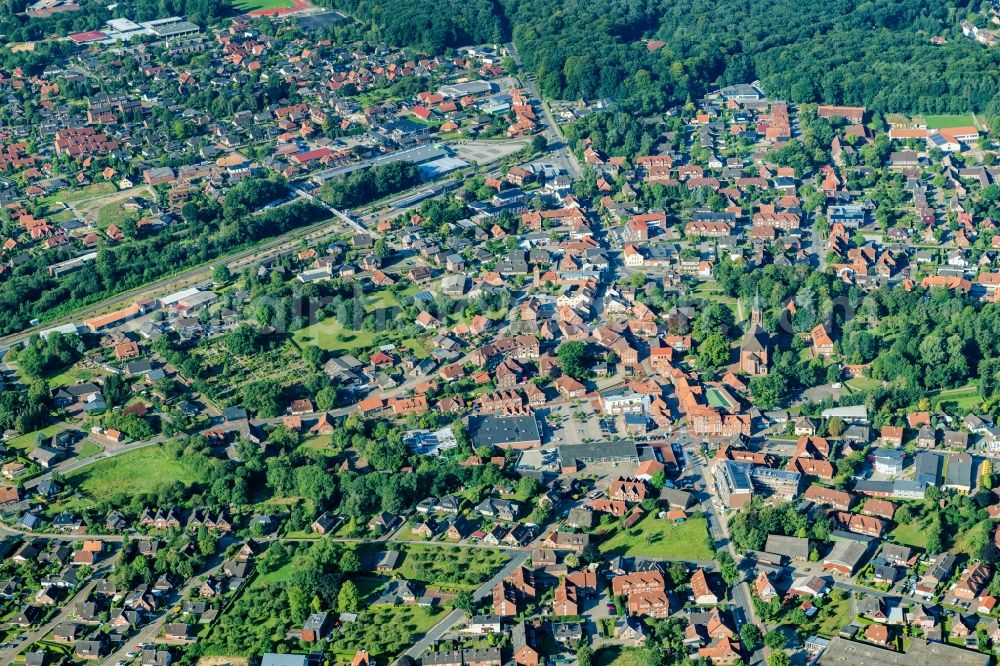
960,471
274,659
501,430
848,552
599,451
920,653
794,547
927,468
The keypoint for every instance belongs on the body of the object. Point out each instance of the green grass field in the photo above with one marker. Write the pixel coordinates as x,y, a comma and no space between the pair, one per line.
29,440
833,616
654,537
616,655
369,632
140,471
330,336
715,399
113,213
89,192
256,5
862,383
964,397
945,121
912,534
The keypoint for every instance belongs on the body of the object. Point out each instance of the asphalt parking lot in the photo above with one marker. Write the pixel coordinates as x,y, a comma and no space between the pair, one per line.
486,152
565,428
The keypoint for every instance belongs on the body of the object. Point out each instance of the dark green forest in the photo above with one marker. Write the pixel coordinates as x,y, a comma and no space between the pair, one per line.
433,25
875,53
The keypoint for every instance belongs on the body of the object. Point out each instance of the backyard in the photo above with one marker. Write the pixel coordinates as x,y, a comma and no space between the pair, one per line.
616,655
912,534
655,537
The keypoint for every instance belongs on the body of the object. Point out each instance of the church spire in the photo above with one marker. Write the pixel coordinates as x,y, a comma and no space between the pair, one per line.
756,317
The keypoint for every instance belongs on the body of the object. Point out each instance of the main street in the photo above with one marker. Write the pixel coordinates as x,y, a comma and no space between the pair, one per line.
561,152
718,530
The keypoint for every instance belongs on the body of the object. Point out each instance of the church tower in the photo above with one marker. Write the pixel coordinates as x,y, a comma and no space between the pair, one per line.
756,316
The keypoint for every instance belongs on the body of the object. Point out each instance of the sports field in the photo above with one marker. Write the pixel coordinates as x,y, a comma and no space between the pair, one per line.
949,120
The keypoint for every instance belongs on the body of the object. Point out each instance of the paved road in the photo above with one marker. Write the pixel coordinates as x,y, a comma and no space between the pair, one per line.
550,128
454,617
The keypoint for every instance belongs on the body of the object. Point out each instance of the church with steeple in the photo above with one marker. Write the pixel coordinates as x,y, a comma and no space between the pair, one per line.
754,358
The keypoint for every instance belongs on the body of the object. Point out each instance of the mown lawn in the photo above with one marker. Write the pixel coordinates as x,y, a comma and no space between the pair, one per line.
912,534
862,383
654,537
330,336
29,440
140,471
616,655
89,448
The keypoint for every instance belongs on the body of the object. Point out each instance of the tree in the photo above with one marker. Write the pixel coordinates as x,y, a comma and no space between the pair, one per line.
585,654
751,635
591,553
313,355
730,572
572,357
527,487
713,352
775,639
349,598
350,563
244,340
835,426
464,602
221,274
769,390
779,658
539,143
326,398
116,390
